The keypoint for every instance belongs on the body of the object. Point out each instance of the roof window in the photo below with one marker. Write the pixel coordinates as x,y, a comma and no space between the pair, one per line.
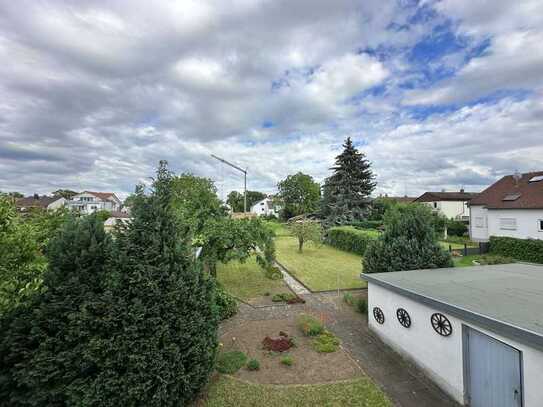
537,178
511,197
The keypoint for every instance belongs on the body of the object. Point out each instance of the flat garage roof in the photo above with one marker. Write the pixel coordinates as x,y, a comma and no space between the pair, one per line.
505,298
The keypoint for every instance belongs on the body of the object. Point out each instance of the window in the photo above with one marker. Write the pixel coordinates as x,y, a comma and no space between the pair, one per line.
435,205
508,224
479,222
540,225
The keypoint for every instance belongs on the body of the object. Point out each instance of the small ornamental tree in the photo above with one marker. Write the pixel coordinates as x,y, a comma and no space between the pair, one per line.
346,191
306,231
408,243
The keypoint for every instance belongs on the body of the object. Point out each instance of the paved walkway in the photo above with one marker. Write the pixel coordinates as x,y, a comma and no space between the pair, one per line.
292,282
405,384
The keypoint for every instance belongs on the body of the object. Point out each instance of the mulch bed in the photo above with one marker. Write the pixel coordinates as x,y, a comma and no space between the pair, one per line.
309,366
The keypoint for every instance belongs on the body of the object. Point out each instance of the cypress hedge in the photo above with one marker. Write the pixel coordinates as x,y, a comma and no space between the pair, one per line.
129,321
350,239
530,250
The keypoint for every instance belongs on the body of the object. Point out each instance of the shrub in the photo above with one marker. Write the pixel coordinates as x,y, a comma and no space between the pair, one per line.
368,224
362,305
408,243
530,250
348,299
326,342
226,305
456,228
289,298
350,239
279,343
309,325
231,362
253,365
273,273
287,360
487,259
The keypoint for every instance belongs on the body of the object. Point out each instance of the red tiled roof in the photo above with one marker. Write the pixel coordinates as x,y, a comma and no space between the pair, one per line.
446,196
33,202
519,193
103,195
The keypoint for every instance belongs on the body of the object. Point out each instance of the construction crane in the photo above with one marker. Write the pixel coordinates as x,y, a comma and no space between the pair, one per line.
244,171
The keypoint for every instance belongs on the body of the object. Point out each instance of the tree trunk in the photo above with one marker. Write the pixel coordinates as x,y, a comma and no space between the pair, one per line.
300,244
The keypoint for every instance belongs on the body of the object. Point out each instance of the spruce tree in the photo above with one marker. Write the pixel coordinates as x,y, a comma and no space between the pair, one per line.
346,191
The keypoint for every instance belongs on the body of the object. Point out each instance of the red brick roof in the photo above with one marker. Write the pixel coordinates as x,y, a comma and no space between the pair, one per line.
36,202
519,193
103,195
446,196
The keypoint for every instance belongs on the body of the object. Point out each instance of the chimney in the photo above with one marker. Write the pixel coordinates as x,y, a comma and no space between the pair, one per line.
36,196
462,190
517,176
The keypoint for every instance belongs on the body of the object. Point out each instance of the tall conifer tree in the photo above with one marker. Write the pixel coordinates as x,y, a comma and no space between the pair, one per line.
346,191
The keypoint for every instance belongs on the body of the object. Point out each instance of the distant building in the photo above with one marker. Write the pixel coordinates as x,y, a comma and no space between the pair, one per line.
265,207
88,202
513,206
115,218
39,202
453,205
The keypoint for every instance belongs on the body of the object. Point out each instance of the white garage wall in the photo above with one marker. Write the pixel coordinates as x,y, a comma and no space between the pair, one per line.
441,357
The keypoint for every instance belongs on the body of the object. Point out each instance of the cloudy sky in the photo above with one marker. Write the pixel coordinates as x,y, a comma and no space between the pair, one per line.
438,94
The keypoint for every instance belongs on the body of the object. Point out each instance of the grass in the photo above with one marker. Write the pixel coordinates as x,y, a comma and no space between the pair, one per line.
319,267
467,261
231,362
246,280
228,391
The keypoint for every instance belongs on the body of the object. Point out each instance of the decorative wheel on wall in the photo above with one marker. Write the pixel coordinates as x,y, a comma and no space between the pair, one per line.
378,315
441,324
403,317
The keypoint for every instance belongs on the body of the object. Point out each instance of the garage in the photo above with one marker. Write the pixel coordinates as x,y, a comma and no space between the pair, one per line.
476,331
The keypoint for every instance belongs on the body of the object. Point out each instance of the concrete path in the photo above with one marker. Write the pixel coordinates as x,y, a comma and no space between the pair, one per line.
294,285
405,384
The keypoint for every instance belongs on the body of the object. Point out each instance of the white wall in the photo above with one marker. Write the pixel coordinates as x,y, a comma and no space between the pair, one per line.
451,209
527,223
59,203
478,223
441,357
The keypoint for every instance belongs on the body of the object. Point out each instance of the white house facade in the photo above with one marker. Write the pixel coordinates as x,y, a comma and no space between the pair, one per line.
511,207
88,202
265,207
481,346
453,205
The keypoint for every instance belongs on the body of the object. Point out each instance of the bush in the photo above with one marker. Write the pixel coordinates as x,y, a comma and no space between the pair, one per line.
456,228
231,362
289,298
362,305
486,259
350,239
368,224
408,243
226,305
309,325
348,299
530,250
273,273
326,342
253,365
287,360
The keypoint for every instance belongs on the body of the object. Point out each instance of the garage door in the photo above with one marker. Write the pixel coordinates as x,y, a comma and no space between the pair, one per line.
493,372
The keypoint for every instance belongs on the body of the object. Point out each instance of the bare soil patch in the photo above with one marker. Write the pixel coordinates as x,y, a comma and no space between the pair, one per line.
309,366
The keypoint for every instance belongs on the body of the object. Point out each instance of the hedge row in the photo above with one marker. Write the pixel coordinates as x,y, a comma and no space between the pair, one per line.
350,239
530,250
368,224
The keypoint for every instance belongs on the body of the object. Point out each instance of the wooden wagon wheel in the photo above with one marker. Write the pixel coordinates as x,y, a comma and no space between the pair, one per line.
378,315
441,324
403,317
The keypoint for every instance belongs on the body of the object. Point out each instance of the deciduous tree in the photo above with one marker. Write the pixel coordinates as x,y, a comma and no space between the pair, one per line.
298,194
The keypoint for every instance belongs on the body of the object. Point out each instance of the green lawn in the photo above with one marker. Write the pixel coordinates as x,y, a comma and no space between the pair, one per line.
319,267
228,391
465,261
246,280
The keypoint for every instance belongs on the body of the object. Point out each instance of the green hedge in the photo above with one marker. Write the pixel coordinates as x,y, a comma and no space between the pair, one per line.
350,239
368,224
530,250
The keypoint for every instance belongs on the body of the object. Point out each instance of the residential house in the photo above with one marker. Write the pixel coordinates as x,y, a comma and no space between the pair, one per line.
88,202
265,207
513,206
39,202
453,205
115,218
477,331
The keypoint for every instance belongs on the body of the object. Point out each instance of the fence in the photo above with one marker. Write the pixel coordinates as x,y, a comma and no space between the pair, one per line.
482,248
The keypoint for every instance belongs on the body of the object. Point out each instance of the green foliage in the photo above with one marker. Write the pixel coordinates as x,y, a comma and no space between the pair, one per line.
298,194
46,224
287,360
253,365
346,192
348,298
530,250
21,261
103,215
326,342
231,362
350,239
367,224
486,259
273,273
378,208
306,231
227,306
65,193
236,199
309,325
361,305
116,314
408,243
456,228
284,297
